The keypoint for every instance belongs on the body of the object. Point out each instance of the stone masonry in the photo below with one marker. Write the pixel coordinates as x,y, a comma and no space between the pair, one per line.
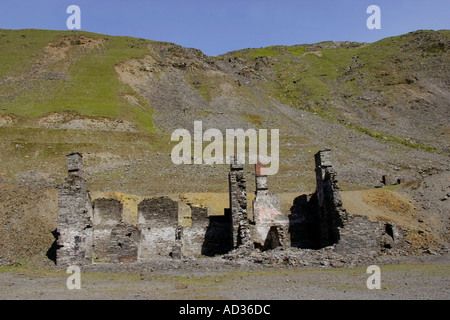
107,214
238,205
158,222
75,232
195,233
167,228
270,224
329,204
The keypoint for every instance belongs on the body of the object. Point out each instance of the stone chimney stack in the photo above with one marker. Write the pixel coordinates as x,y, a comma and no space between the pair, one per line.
323,165
262,187
331,212
238,204
74,216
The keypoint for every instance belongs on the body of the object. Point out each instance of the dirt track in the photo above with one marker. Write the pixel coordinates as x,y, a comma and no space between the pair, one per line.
424,278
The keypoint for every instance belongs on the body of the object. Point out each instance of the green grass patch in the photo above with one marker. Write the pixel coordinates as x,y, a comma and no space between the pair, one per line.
93,88
386,137
268,51
393,187
295,50
253,118
20,49
205,113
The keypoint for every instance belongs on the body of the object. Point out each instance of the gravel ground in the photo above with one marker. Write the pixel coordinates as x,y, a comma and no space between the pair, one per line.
414,278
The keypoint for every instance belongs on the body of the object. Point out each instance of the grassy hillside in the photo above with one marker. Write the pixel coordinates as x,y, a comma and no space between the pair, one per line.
48,71
371,88
381,107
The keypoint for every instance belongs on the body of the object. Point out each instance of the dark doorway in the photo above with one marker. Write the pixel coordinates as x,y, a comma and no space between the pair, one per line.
51,252
219,235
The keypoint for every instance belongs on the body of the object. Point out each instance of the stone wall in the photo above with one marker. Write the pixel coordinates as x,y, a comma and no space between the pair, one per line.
361,237
329,204
107,215
157,221
349,234
124,243
194,234
97,231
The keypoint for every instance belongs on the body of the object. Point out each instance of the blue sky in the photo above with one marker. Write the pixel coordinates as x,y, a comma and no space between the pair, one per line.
217,27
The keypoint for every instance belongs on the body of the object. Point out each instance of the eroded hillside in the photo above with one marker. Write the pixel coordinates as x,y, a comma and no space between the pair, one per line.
381,107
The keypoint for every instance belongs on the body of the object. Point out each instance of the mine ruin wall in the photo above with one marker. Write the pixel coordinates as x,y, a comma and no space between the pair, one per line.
97,231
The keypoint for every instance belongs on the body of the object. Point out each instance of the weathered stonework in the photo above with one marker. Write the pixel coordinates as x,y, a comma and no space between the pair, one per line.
167,229
157,221
123,243
350,234
177,248
365,238
238,205
329,203
107,215
271,226
194,234
75,233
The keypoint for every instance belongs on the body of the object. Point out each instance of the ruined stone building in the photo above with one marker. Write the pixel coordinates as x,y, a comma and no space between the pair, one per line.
96,231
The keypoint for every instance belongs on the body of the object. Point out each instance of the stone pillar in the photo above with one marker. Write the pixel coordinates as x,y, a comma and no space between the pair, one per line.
323,163
74,216
177,248
331,212
238,205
